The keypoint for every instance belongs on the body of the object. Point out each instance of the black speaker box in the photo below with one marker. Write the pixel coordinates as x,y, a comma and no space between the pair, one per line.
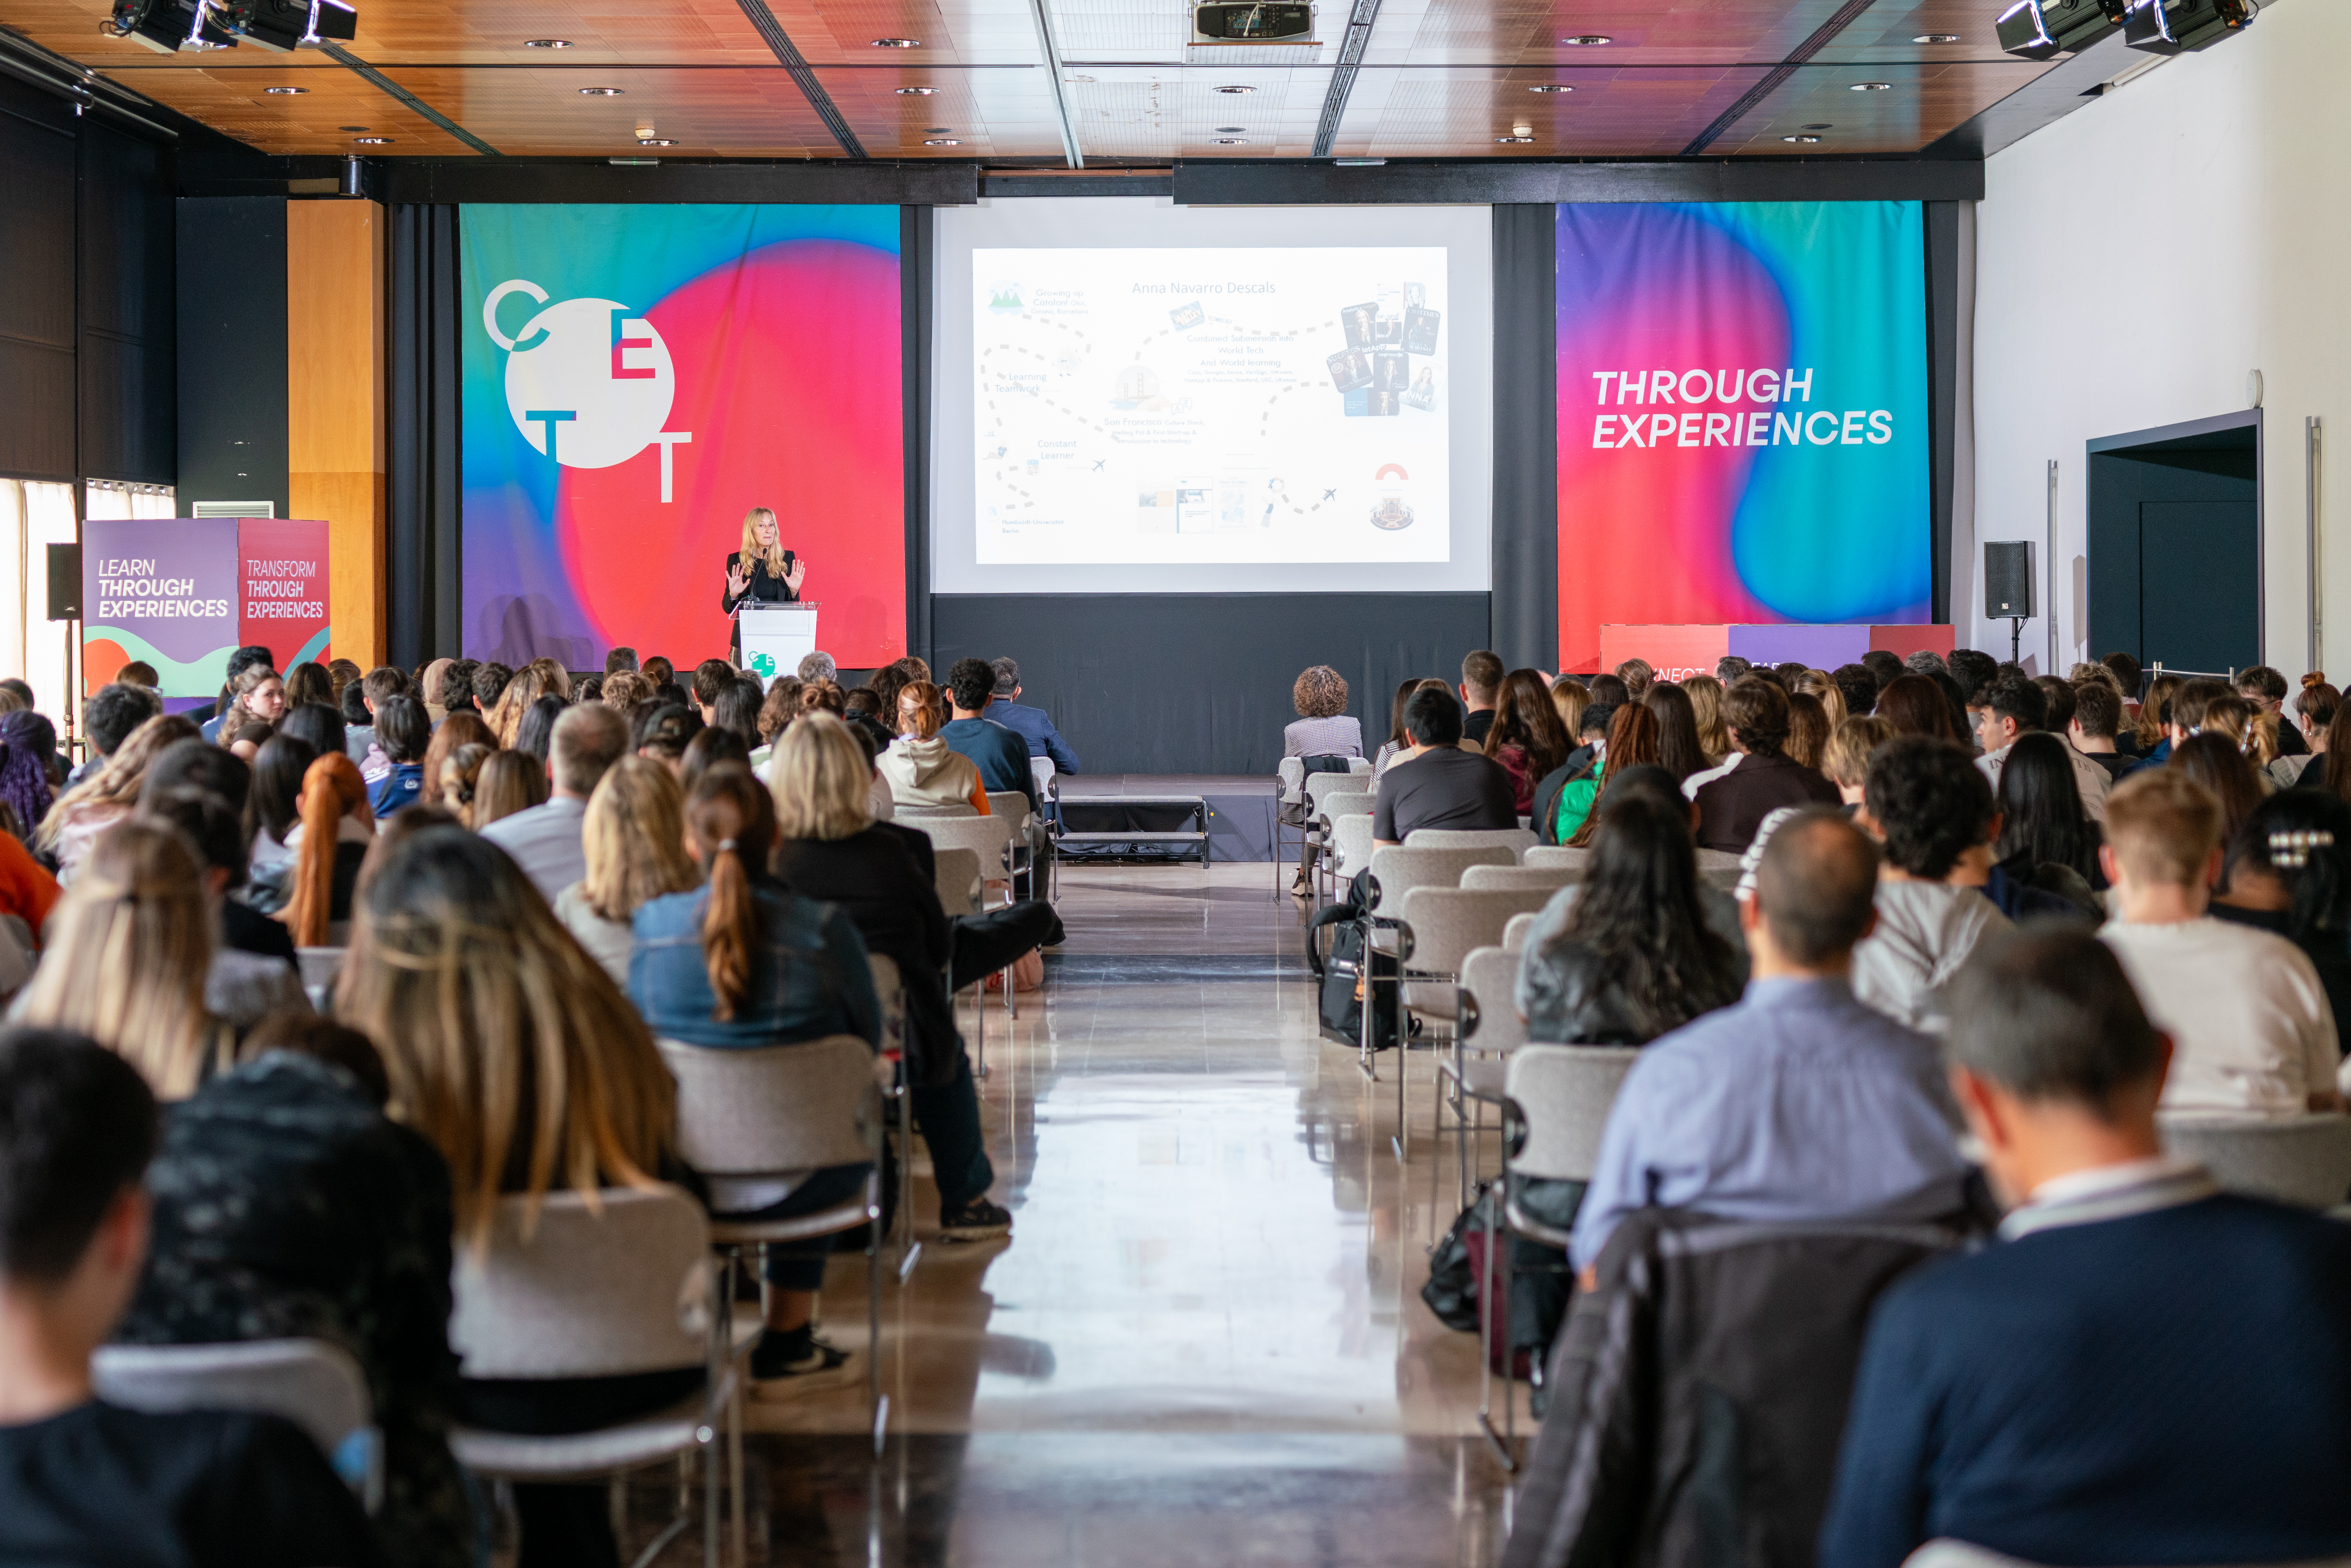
2008,580
65,583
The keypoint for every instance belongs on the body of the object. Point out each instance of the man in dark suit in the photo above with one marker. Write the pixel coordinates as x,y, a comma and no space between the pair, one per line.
1733,807
1032,725
2145,1369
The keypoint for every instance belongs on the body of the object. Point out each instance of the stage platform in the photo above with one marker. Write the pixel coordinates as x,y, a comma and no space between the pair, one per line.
1239,807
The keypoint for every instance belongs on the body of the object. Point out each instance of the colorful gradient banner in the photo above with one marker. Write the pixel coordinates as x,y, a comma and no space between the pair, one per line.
1742,416
638,377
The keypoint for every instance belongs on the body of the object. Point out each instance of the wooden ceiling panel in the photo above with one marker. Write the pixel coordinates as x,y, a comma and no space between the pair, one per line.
999,113
947,32
1921,104
1889,30
1641,32
320,119
467,32
1637,114
720,113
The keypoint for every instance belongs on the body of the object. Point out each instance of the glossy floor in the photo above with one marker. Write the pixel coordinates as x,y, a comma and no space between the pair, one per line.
1205,1342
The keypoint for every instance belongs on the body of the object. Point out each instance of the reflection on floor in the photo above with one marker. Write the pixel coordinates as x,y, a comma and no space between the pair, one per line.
1205,1343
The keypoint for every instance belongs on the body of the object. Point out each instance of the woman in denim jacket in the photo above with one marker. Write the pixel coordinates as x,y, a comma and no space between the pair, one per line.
740,962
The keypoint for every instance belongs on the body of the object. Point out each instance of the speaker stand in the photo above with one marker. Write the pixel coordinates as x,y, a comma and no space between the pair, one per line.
2016,639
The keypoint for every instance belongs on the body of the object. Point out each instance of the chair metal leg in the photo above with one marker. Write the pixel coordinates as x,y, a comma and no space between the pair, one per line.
873,1308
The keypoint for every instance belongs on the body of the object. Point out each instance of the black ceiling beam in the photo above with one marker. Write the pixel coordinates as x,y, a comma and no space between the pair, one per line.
1342,77
510,179
382,83
1774,79
1233,183
788,53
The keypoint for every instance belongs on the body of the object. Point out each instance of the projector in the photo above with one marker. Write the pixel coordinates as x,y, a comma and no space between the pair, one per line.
2176,26
1231,33
2039,29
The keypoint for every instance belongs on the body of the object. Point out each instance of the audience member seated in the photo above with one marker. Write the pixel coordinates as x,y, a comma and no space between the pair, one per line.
82,1481
286,1205
1798,1101
1933,815
2097,721
2014,705
1435,784
2144,1369
241,986
536,734
926,775
1755,715
1397,739
1525,737
707,750
1706,694
632,843
249,657
329,843
1001,756
28,749
2247,1015
1482,687
2314,711
28,893
128,953
108,718
1631,742
2046,843
96,804
1678,750
460,728
508,784
663,730
403,733
744,962
1858,686
545,840
829,850
711,677
1633,954
2287,870
259,698
518,1060
737,710
2263,689
1914,704
460,780
324,729
1845,760
1565,794
817,666
308,682
2216,760
1030,723
271,810
778,709
1323,726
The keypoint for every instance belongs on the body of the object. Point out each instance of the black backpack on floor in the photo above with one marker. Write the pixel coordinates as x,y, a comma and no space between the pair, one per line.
1341,1007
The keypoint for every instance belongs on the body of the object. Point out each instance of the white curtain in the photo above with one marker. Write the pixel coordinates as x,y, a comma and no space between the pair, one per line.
114,498
35,515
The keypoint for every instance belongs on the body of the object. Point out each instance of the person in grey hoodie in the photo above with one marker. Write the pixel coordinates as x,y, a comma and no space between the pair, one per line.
1931,810
924,773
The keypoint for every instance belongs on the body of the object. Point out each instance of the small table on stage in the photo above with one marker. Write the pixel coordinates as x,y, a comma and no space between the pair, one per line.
775,637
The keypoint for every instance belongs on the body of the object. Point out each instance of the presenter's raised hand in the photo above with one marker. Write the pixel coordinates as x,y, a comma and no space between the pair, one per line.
738,582
792,578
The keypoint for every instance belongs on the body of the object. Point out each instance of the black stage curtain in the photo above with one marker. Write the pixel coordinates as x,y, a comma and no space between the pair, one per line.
423,485
1526,436
1199,682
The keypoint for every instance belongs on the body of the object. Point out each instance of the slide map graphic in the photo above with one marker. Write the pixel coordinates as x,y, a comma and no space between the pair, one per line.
1210,406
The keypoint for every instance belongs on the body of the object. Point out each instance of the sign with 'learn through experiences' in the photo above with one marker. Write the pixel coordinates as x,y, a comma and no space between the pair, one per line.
180,594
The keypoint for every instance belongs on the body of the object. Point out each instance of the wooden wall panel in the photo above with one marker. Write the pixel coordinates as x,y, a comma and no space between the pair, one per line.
335,405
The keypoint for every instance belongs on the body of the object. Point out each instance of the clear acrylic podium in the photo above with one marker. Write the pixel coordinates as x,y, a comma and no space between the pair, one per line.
775,637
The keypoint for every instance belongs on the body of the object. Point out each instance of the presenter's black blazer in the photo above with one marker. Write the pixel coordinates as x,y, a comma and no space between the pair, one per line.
765,587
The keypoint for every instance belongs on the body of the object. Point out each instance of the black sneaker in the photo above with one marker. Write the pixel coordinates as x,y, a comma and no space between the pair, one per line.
783,1362
978,1220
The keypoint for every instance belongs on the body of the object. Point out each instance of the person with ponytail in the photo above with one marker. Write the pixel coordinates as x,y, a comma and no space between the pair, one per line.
743,962
330,843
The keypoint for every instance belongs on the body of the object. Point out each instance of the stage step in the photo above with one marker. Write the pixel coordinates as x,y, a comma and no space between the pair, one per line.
1075,842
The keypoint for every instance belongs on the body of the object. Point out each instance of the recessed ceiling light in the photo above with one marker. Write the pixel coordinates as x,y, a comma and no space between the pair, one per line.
1799,138
1231,129
546,43
897,43
285,91
1232,141
1586,40
1822,126
1508,139
1936,38
1235,89
940,142
1552,86
938,131
915,91
372,140
656,142
602,91
1872,87
350,127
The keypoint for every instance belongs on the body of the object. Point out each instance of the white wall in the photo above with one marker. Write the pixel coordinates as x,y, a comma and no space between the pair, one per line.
2133,261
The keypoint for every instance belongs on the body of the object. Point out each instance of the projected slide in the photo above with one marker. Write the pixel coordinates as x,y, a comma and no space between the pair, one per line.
1211,405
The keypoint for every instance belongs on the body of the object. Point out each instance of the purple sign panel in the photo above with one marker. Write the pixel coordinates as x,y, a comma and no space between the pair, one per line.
1816,647
162,591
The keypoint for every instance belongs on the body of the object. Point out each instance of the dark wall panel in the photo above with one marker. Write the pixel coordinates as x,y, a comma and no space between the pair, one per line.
1526,435
1191,683
232,350
37,295
129,392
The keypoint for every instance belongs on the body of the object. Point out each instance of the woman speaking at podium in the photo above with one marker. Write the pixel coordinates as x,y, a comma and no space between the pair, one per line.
762,569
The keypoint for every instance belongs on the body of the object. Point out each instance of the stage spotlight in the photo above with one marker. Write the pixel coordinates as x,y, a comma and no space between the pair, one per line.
2040,29
2176,26
283,25
166,25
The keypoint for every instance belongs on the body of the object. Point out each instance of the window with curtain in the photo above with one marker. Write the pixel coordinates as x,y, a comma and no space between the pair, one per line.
34,514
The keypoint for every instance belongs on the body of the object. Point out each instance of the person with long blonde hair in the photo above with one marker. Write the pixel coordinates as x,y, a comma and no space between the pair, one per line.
761,571
330,843
533,681
1706,706
743,962
514,1054
128,948
634,836
78,816
259,697
508,783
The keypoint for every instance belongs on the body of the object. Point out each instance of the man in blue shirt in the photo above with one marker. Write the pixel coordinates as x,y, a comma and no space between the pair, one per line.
1032,725
1001,756
1799,1103
2144,1369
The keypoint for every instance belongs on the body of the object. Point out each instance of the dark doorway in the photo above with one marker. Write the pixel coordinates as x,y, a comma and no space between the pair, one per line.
2175,535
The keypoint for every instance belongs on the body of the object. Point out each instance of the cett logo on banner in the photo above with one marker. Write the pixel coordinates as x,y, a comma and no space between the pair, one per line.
1764,427
587,383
